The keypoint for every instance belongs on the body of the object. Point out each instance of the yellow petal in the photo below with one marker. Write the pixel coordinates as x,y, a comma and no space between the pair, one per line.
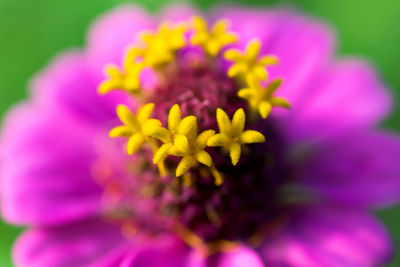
199,24
174,117
188,127
264,108
268,60
112,71
280,102
251,136
272,87
121,131
228,38
213,47
253,82
199,38
247,93
220,26
162,153
224,123
152,128
235,151
204,158
185,164
233,54
218,140
126,116
203,138
260,72
237,68
145,112
134,143
253,49
238,121
181,142
109,85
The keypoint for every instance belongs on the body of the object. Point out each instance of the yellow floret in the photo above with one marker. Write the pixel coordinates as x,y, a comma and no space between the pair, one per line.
126,79
160,47
261,99
213,40
231,135
247,64
136,127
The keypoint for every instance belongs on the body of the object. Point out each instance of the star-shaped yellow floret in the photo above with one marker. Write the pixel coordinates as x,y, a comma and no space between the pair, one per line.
167,135
181,140
126,79
247,64
136,127
231,135
160,47
212,41
261,99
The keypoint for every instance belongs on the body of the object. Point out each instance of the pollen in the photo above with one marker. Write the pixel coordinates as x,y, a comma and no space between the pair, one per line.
213,40
248,64
261,99
231,134
135,127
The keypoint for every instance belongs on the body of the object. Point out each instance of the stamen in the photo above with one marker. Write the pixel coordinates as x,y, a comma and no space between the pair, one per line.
160,47
135,126
212,41
247,64
232,136
260,99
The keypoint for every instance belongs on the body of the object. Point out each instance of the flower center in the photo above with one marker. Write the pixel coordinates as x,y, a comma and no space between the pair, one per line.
192,125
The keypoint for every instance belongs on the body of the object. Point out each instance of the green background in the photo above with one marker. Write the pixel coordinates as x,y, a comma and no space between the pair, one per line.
31,32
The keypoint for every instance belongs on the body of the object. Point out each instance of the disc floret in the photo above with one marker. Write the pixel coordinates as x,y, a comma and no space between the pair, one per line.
261,99
212,41
248,64
231,134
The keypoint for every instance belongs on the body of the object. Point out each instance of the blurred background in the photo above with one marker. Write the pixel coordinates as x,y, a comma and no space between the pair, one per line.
31,32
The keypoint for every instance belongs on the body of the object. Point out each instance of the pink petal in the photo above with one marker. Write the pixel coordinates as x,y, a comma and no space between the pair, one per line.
359,169
330,237
67,84
83,243
46,161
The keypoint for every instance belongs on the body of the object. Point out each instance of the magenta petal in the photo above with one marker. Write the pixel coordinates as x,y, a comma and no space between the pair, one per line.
328,237
46,161
241,256
80,244
348,96
67,84
112,33
165,250
178,13
358,169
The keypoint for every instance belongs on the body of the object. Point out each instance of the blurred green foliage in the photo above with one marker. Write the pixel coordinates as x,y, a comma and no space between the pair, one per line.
31,32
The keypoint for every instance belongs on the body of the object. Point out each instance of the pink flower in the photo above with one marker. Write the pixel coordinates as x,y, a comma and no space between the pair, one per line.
302,198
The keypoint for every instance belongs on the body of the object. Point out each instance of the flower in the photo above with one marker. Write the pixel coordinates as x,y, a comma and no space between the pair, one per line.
300,198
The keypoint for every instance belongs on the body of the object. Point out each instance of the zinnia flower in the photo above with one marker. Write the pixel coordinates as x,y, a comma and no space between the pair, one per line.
227,139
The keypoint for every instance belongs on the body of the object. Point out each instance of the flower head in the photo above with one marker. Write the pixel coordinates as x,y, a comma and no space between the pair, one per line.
287,201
